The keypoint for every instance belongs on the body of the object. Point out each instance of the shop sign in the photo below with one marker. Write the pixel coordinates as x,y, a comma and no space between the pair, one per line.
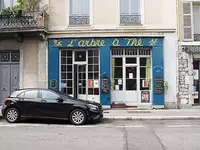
102,42
158,85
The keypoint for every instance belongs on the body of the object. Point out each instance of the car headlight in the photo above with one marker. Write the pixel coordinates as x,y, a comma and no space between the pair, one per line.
93,107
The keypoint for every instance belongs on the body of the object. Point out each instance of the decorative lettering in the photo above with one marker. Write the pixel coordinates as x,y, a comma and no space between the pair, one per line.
93,43
87,43
81,43
102,43
115,42
153,42
71,43
57,43
134,42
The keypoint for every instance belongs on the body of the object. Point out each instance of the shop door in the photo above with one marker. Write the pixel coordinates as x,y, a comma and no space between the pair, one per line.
80,82
131,85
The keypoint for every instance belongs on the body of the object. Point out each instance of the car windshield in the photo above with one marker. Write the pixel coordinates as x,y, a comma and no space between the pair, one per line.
63,94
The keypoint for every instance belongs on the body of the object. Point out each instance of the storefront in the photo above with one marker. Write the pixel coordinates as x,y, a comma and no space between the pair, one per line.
108,70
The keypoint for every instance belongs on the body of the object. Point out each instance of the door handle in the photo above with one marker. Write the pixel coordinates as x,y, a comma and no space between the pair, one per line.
44,101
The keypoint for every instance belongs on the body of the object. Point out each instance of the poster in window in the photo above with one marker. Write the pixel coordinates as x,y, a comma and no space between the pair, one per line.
90,84
144,83
145,97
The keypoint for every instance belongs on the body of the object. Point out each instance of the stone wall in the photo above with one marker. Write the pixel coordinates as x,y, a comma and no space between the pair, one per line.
184,79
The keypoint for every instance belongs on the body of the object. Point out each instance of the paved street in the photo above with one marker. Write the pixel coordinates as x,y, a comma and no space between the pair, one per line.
108,135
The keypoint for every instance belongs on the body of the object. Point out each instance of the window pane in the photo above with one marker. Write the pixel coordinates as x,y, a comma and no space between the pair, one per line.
96,67
131,60
96,75
63,53
31,94
69,83
117,72
90,67
90,60
63,75
96,60
131,72
49,95
117,62
69,76
81,90
80,55
69,68
69,60
145,62
90,76
118,84
96,53
131,84
69,90
90,91
96,91
142,72
63,60
64,90
69,53
90,53
63,67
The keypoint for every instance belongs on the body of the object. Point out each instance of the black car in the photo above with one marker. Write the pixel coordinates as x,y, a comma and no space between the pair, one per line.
49,104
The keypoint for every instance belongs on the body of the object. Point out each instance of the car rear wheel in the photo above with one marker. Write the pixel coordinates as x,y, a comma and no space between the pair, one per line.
12,115
78,117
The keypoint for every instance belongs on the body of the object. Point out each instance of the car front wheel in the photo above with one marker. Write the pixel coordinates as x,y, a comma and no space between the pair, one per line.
78,117
12,115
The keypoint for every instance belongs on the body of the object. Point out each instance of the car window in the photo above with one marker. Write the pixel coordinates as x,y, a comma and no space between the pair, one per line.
31,94
21,95
49,95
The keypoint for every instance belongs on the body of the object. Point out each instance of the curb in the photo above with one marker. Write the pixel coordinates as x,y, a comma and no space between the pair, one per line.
153,118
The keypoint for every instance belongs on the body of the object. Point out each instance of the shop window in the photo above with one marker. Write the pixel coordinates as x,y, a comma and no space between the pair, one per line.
66,71
131,60
80,56
145,73
93,72
117,73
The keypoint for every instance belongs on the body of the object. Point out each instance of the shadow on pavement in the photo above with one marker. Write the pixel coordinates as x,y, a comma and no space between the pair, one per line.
61,122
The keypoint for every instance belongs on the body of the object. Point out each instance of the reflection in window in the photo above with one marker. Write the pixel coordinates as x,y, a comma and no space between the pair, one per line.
49,95
30,94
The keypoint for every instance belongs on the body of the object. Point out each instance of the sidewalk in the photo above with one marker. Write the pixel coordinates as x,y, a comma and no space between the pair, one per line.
164,114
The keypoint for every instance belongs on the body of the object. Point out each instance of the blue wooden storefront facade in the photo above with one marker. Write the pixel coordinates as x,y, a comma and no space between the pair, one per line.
105,45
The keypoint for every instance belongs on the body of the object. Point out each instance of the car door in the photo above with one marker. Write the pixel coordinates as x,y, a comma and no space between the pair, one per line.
28,102
52,104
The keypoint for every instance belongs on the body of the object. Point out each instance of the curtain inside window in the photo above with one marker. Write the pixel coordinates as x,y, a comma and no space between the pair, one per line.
148,72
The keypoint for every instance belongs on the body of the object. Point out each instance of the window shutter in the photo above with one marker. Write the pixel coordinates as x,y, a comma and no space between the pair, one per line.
75,8
187,21
124,7
85,7
135,7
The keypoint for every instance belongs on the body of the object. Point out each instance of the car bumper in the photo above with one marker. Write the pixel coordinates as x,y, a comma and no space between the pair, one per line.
95,115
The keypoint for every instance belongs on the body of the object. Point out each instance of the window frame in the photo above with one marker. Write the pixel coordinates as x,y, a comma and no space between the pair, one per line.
90,16
142,12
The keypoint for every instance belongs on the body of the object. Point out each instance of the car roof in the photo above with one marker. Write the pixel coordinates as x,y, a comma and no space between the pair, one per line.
25,89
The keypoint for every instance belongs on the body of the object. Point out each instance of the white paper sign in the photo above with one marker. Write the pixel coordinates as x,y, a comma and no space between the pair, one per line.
130,75
96,83
120,81
196,74
117,87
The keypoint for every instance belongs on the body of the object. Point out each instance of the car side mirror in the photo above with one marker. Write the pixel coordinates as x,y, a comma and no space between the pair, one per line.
60,100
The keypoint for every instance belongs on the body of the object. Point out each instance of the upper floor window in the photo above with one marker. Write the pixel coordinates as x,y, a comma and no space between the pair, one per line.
7,3
130,12
79,12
